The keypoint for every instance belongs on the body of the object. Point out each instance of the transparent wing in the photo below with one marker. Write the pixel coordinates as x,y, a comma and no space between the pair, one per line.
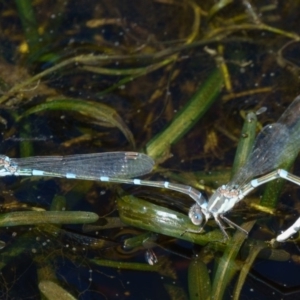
110,164
274,144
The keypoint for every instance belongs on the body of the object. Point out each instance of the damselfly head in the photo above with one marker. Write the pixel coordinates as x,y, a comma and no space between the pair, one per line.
196,214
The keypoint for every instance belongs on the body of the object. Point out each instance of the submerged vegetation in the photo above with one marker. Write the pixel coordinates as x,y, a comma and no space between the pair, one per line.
174,80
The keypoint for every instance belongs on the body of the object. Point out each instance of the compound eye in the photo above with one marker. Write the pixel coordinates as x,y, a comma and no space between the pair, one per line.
196,215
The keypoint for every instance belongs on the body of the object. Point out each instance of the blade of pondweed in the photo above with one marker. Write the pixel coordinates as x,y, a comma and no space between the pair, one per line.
246,268
51,290
138,240
217,7
199,280
98,112
43,217
142,214
246,141
29,23
136,73
187,117
227,264
162,58
163,266
58,203
175,292
26,146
